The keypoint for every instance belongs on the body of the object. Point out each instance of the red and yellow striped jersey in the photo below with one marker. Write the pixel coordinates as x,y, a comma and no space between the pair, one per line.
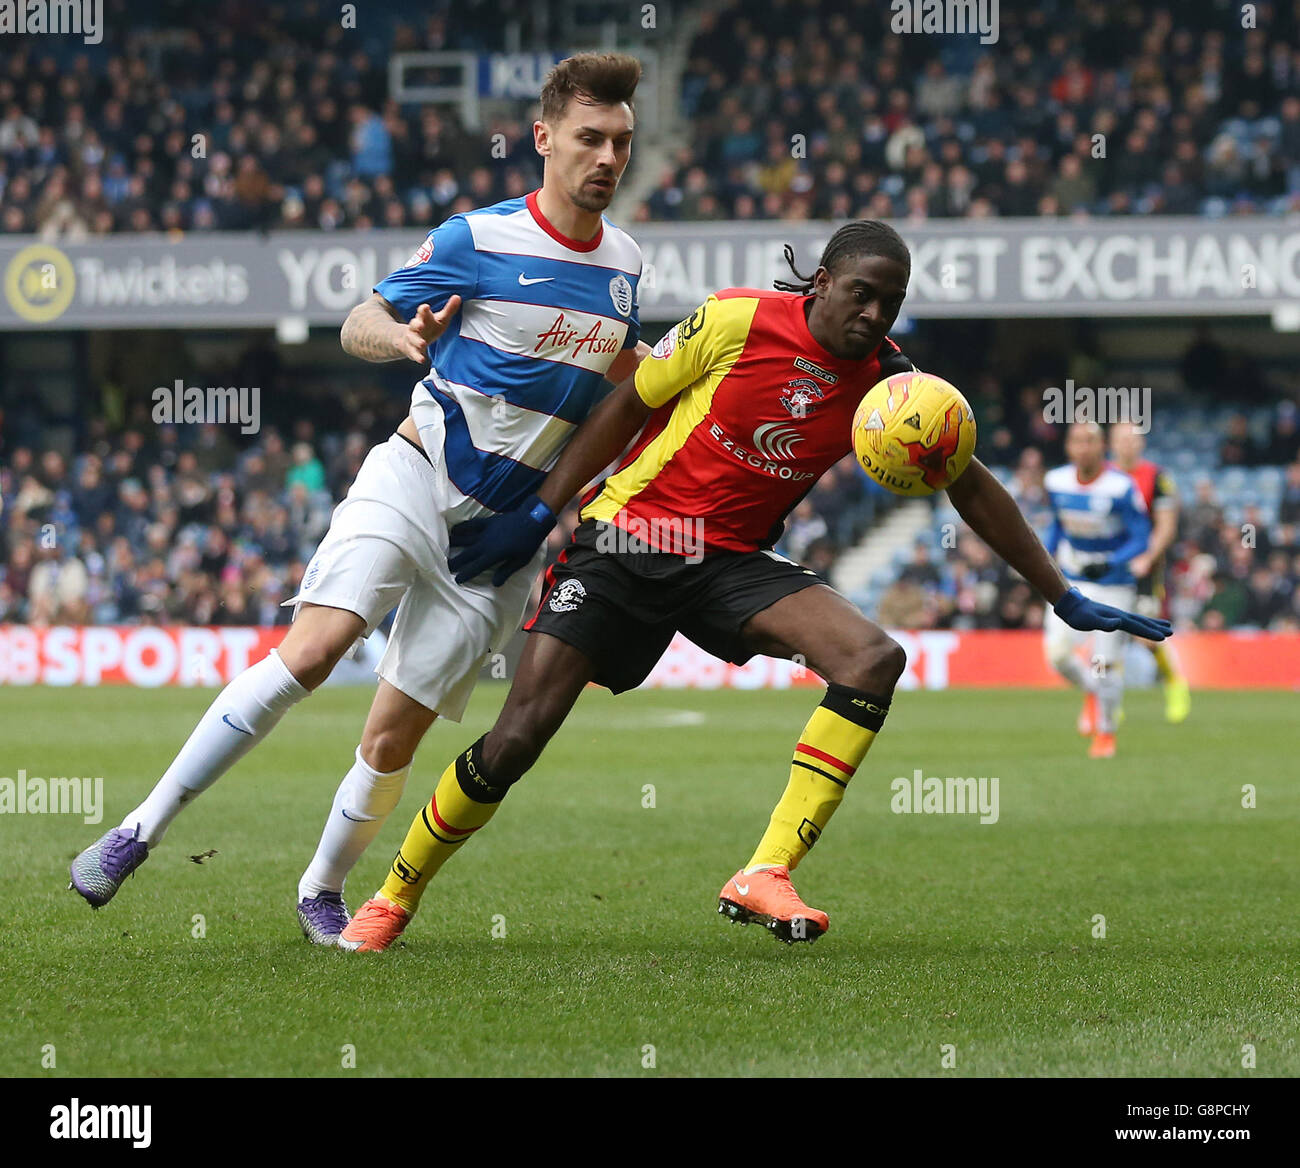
1156,486
750,411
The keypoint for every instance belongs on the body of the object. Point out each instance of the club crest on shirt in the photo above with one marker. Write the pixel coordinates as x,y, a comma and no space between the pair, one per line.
620,292
567,595
800,395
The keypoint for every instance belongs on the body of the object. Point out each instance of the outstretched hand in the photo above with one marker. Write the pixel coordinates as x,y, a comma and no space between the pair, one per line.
1088,615
425,327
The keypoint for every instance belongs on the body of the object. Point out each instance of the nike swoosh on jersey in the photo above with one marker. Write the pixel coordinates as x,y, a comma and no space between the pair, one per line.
226,719
526,280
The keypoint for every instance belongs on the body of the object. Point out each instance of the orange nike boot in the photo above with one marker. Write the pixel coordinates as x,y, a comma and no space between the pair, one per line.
767,897
378,923
1103,746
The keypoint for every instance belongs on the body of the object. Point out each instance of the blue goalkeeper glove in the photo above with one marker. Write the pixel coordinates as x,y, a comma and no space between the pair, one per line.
505,542
1087,615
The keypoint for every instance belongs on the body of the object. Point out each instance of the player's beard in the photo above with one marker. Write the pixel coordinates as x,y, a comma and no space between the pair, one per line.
592,200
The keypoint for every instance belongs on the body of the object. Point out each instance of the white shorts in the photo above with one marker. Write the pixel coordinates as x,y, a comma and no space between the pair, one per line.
1060,640
386,546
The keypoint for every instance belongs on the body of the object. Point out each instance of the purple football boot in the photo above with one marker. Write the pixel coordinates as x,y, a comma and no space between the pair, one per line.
98,872
323,918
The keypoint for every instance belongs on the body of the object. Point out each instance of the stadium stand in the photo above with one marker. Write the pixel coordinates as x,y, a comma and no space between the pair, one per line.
295,125
307,136
164,524
797,113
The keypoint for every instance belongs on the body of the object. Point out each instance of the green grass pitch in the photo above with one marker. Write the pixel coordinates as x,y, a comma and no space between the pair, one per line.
945,933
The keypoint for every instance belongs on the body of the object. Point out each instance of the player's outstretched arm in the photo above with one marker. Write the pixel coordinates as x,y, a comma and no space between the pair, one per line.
599,440
994,516
374,331
507,541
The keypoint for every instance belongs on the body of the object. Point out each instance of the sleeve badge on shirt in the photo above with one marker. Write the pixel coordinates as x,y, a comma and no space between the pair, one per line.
620,292
422,253
665,345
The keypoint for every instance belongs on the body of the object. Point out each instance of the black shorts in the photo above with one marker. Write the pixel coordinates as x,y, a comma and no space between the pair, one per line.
621,607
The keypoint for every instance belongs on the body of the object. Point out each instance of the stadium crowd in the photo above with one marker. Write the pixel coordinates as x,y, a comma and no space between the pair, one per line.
251,117
802,109
246,118
178,525
256,118
1221,573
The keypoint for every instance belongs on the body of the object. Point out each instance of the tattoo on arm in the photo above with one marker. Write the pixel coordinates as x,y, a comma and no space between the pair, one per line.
368,331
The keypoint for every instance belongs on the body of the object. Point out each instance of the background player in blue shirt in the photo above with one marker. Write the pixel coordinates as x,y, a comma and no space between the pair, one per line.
1099,523
524,311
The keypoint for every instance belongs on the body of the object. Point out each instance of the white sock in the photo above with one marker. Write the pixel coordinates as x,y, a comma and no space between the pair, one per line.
363,801
1073,670
1110,696
242,715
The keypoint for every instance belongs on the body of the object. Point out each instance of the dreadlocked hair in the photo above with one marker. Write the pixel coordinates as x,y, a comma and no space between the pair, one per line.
868,237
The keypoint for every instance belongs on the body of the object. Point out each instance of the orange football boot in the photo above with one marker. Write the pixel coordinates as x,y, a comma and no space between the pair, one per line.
1103,746
768,898
1087,723
378,923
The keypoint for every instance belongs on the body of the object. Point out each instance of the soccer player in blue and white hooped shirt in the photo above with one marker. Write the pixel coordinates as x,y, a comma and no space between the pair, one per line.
524,310
1099,523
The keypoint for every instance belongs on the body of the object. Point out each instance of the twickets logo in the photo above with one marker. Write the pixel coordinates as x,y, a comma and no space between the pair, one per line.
620,292
39,283
775,440
567,596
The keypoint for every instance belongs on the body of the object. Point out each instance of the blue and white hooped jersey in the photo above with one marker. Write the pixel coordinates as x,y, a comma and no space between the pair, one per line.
542,318
1102,520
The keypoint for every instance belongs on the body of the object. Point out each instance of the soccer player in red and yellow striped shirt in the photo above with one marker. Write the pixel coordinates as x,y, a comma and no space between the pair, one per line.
739,410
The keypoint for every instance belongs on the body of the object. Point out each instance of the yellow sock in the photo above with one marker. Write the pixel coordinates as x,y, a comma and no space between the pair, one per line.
462,803
1166,662
831,747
